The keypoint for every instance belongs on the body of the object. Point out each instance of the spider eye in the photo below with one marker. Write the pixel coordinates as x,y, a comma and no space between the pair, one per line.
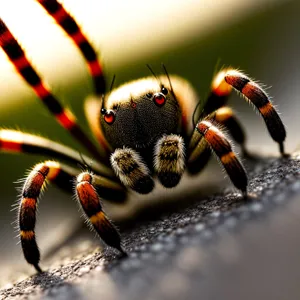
159,99
164,90
109,117
149,95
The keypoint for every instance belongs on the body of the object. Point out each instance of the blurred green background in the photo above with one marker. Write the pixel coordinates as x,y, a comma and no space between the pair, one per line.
264,41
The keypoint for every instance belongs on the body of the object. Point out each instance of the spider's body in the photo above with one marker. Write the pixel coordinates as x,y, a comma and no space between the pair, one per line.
145,129
140,121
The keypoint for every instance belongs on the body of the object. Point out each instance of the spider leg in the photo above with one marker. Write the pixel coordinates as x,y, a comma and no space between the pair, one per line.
33,185
17,141
199,153
109,190
131,170
69,25
220,145
169,160
72,29
226,116
91,205
253,92
63,176
63,115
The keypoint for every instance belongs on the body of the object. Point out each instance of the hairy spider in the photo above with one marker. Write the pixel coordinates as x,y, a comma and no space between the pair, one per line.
145,128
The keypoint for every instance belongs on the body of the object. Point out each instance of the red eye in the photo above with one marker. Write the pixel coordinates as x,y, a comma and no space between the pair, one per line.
159,99
109,117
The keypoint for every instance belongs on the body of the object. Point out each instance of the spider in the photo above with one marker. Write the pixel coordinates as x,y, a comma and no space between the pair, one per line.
147,128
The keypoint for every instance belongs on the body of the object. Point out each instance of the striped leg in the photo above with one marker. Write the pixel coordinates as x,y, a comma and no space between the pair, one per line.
91,205
227,117
63,176
221,89
222,148
72,29
199,151
17,141
64,116
33,185
69,25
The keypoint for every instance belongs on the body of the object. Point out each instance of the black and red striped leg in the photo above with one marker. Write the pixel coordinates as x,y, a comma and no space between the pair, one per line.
220,145
69,25
226,116
13,141
64,177
21,142
73,30
91,204
33,185
221,88
64,116
199,151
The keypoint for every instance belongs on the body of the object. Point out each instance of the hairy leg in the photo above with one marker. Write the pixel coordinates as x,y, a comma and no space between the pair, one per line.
131,170
169,159
221,88
91,204
220,145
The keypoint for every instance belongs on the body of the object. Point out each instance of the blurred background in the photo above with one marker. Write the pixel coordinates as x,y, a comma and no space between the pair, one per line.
190,37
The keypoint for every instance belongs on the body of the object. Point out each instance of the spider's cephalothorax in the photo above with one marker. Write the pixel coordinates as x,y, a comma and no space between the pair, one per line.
136,114
146,128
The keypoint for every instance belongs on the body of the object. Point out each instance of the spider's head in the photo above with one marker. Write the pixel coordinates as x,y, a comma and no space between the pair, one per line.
138,113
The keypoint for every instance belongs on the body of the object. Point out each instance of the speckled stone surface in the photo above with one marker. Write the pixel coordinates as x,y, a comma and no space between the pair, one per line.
220,246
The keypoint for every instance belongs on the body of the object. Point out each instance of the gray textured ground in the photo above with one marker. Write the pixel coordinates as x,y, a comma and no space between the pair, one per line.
221,246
